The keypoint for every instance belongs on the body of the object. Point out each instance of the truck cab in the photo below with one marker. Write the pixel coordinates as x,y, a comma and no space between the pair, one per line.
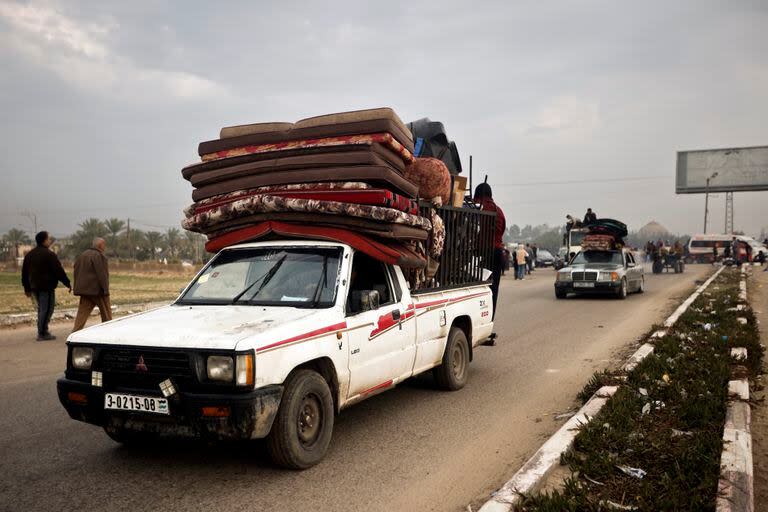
271,339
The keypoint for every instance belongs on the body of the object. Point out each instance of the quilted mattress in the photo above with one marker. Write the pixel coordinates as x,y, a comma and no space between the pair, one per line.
343,123
264,203
366,196
291,163
377,149
382,176
391,252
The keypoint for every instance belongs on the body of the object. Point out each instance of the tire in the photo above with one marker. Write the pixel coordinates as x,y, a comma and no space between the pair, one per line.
560,294
641,288
303,427
657,267
452,374
621,294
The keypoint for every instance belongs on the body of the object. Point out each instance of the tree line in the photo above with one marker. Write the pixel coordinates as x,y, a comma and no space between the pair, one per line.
123,242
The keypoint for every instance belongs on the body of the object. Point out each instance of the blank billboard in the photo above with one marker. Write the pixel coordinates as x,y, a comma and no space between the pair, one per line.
738,169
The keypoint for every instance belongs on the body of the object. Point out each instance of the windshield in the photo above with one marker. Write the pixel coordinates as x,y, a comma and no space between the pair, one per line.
269,276
577,237
543,253
611,257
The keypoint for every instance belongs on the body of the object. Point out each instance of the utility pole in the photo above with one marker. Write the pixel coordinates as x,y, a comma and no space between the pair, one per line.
32,216
128,237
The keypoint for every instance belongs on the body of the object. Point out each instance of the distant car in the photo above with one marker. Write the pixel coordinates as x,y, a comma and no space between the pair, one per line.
544,258
561,260
601,272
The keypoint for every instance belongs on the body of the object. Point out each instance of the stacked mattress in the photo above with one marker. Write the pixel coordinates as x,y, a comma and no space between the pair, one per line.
339,177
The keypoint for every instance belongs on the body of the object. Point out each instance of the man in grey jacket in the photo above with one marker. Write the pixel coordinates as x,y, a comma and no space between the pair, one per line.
92,284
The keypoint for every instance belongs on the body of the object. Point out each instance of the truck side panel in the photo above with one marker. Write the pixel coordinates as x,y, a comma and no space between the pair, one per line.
436,313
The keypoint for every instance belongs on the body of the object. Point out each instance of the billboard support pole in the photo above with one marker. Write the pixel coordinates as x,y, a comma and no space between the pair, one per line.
706,207
729,212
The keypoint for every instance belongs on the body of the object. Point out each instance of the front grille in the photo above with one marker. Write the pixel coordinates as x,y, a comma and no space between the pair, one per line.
584,276
144,369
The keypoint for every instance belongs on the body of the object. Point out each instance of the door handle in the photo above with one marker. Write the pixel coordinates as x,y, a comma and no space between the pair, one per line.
396,315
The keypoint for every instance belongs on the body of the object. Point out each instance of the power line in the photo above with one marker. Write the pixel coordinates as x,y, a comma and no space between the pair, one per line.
586,181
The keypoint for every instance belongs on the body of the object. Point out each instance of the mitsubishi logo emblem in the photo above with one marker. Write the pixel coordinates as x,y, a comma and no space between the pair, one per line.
141,366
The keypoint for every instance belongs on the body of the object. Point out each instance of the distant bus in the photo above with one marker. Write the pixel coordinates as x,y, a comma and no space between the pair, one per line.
700,246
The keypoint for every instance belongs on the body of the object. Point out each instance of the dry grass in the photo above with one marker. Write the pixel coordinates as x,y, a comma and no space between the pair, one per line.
125,288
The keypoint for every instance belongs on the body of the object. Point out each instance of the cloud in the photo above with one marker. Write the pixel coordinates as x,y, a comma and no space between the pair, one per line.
567,114
80,54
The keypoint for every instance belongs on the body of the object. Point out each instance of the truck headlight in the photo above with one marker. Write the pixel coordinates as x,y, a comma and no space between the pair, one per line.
244,369
221,368
564,276
82,358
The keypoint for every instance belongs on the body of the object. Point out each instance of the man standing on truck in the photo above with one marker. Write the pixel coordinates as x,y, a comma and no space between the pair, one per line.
484,197
590,216
92,284
40,274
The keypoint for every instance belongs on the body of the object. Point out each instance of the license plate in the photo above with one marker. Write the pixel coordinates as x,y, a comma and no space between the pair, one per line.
150,404
583,285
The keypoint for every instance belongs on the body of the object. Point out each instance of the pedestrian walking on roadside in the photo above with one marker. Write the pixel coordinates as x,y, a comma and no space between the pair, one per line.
41,273
92,284
484,197
520,256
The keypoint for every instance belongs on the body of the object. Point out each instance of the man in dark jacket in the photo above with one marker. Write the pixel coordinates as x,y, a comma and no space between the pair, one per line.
590,216
484,197
92,284
40,274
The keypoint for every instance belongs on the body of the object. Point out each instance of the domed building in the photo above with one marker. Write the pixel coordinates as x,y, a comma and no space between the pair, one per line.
653,231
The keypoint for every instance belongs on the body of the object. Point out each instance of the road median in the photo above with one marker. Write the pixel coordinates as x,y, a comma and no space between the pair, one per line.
657,443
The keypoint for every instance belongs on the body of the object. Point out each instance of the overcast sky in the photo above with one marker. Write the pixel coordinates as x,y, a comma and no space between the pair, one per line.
104,102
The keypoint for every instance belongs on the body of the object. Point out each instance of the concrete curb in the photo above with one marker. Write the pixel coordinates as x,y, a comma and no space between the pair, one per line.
68,314
735,489
529,477
548,456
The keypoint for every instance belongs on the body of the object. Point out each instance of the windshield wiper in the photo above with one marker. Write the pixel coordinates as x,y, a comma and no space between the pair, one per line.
322,281
266,277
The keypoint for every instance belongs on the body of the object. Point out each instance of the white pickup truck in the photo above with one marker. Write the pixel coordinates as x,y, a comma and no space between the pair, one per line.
271,339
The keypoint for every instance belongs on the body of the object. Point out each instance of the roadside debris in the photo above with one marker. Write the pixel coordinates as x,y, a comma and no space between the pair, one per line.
633,472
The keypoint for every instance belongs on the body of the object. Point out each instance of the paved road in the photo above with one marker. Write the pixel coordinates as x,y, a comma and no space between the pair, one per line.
412,448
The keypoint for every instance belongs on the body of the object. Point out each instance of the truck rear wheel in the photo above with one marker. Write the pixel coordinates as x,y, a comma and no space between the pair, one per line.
453,372
302,430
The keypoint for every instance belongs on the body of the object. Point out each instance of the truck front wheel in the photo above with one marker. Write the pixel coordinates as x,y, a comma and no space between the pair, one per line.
302,430
452,373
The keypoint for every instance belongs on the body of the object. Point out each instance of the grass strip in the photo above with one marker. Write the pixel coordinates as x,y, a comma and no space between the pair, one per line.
666,419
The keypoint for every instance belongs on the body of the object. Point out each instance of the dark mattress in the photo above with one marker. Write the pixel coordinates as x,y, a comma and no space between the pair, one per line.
310,132
384,176
371,227
380,150
292,163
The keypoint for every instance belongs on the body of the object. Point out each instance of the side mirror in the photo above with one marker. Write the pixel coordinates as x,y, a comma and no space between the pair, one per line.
365,300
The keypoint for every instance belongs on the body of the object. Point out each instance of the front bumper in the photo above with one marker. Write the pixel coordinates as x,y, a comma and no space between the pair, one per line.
600,287
250,414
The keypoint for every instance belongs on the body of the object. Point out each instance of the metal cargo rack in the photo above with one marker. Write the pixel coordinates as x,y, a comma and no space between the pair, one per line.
468,247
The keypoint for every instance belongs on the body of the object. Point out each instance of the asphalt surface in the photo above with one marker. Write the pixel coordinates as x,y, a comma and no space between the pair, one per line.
411,448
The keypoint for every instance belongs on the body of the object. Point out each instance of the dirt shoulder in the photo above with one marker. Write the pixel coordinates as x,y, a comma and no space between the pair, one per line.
757,290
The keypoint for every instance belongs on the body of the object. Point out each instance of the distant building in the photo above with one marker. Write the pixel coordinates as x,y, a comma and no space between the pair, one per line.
653,231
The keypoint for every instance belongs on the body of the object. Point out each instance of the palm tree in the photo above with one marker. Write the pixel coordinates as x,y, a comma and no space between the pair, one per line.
14,238
89,229
153,240
173,240
114,227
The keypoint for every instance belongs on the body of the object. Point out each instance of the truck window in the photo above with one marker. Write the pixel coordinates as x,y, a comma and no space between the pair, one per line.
368,274
269,276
